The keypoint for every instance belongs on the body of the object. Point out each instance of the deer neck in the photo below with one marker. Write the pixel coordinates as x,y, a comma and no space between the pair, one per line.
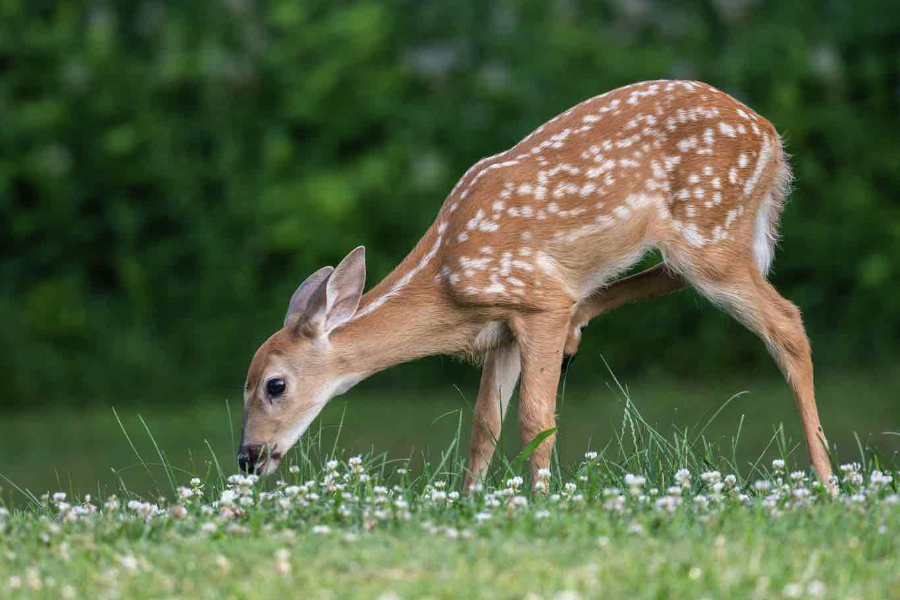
405,317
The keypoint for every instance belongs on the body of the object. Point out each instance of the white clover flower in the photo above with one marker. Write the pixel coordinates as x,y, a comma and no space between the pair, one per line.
673,490
540,486
440,484
227,497
355,461
683,478
570,487
815,588
541,514
711,477
284,503
195,482
778,465
730,481
331,465
59,497
543,473
178,511
701,501
589,456
877,478
438,496
555,498
668,503
761,485
294,469
476,488
798,476
635,481
514,482
454,495
519,501
321,529
402,471
184,493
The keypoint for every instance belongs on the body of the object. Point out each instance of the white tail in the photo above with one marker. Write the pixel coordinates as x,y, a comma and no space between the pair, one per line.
523,252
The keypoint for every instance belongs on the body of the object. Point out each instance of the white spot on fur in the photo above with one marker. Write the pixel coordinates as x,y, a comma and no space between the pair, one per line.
760,165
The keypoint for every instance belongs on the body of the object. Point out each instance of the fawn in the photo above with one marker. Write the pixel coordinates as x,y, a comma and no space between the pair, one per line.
522,255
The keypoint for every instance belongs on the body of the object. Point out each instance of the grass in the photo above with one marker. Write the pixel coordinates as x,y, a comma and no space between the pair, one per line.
76,451
645,515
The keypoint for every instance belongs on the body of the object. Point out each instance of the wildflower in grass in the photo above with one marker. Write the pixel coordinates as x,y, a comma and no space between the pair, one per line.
701,501
514,482
683,478
711,478
543,473
852,473
179,512
589,456
761,485
570,488
878,479
798,477
541,514
184,492
673,490
668,503
730,481
519,501
635,484
355,463
778,465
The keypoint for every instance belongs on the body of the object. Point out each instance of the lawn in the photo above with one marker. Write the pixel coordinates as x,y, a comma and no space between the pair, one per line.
645,515
77,450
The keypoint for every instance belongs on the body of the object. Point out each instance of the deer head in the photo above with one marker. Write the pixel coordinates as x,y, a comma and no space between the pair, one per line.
298,370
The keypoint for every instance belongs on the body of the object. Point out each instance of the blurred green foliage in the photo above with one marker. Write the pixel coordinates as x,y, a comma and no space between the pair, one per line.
169,172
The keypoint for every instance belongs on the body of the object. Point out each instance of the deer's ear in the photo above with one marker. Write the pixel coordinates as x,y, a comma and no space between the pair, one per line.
336,299
345,288
300,300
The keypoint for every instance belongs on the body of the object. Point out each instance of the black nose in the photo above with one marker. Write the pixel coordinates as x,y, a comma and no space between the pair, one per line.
247,460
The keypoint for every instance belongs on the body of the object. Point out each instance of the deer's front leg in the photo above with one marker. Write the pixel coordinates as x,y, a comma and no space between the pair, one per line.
498,381
541,337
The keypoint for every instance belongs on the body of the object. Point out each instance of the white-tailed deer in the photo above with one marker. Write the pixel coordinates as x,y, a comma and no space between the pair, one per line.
521,257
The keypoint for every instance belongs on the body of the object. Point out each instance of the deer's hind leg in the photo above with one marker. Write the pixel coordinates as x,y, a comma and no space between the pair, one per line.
499,377
751,299
655,281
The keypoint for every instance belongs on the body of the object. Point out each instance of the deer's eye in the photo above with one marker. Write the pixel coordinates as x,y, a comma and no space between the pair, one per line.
275,387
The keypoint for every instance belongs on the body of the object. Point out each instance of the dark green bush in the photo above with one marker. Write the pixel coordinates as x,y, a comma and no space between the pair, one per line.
170,171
